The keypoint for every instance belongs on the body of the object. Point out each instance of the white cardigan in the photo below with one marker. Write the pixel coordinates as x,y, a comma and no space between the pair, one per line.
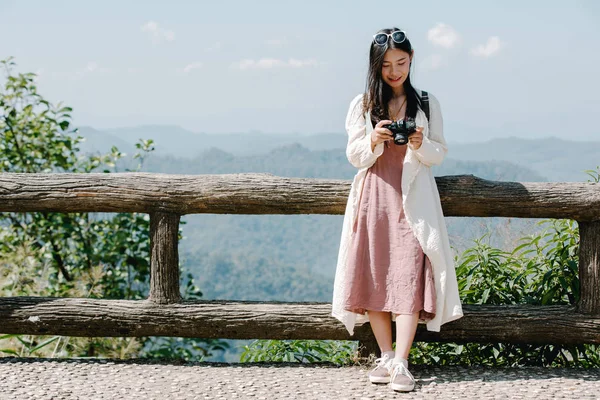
422,207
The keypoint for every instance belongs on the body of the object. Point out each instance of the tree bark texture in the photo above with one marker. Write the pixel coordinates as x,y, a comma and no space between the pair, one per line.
589,267
164,259
278,320
461,195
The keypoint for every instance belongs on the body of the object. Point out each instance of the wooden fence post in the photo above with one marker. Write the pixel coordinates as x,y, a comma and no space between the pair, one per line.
164,260
589,267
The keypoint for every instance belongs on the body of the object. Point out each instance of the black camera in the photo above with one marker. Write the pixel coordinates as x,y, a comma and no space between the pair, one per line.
402,130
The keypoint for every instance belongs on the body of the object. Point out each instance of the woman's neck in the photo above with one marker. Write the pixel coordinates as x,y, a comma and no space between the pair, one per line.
398,93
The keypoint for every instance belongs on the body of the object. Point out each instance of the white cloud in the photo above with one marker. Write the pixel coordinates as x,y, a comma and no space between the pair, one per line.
192,66
157,33
434,61
491,47
443,35
268,63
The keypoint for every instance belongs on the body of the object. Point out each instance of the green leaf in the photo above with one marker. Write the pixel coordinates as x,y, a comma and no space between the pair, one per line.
485,295
10,335
47,342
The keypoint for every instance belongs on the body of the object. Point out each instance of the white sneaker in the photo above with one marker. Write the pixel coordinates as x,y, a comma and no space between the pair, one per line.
381,372
401,379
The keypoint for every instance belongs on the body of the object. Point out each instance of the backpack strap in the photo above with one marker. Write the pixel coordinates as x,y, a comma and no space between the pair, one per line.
425,103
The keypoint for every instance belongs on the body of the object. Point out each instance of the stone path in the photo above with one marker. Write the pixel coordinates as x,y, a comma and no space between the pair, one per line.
31,379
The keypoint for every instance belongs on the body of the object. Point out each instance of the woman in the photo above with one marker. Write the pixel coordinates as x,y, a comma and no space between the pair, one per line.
395,261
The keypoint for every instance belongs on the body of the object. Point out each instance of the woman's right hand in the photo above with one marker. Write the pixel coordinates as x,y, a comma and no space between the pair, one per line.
380,134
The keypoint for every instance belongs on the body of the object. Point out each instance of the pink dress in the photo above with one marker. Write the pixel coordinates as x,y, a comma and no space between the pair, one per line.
387,269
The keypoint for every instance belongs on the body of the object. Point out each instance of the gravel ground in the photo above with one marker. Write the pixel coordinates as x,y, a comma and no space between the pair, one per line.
29,379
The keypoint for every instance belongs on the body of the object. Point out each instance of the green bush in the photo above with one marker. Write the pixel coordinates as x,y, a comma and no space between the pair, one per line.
71,254
542,270
304,351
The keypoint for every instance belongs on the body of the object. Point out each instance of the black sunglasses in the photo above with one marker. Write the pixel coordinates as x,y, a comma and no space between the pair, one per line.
381,39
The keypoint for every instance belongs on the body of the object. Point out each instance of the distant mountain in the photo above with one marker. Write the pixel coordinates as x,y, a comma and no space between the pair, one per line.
557,159
101,142
297,161
553,158
179,142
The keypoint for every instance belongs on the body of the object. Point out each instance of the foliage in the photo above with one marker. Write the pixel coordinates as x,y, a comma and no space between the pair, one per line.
35,138
594,174
303,351
266,278
185,349
68,254
541,270
24,272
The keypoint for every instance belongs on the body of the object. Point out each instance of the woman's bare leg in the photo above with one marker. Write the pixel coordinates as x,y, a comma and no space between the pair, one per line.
406,327
381,324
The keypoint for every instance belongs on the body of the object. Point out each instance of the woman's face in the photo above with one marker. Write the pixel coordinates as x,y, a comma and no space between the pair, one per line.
396,65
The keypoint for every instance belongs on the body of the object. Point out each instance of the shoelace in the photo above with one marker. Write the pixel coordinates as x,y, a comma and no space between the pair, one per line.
383,362
401,369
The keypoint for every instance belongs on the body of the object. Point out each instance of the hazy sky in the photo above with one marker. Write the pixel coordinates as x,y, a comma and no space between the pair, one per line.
499,68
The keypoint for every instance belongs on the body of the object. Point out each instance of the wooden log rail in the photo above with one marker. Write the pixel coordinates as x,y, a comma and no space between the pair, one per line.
167,197
461,195
279,320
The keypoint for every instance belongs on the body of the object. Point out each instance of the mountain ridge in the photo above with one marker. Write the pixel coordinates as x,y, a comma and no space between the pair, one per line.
557,159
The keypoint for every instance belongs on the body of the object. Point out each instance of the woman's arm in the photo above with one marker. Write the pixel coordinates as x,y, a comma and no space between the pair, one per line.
434,148
359,151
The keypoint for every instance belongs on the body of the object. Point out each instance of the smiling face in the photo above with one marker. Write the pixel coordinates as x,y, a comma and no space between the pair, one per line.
396,66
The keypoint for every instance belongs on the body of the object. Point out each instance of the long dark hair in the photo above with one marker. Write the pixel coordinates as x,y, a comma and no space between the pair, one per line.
378,93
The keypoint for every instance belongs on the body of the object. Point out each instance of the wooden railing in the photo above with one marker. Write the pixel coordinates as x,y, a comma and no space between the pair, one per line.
167,197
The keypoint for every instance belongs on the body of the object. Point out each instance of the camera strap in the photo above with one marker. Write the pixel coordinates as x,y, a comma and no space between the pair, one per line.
425,103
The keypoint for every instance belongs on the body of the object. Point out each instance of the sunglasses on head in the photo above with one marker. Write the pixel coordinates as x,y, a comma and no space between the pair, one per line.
381,39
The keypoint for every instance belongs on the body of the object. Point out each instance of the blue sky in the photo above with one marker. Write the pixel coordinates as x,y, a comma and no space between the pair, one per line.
500,69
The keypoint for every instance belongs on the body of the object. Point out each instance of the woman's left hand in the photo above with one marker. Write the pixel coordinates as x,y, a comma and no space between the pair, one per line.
416,139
